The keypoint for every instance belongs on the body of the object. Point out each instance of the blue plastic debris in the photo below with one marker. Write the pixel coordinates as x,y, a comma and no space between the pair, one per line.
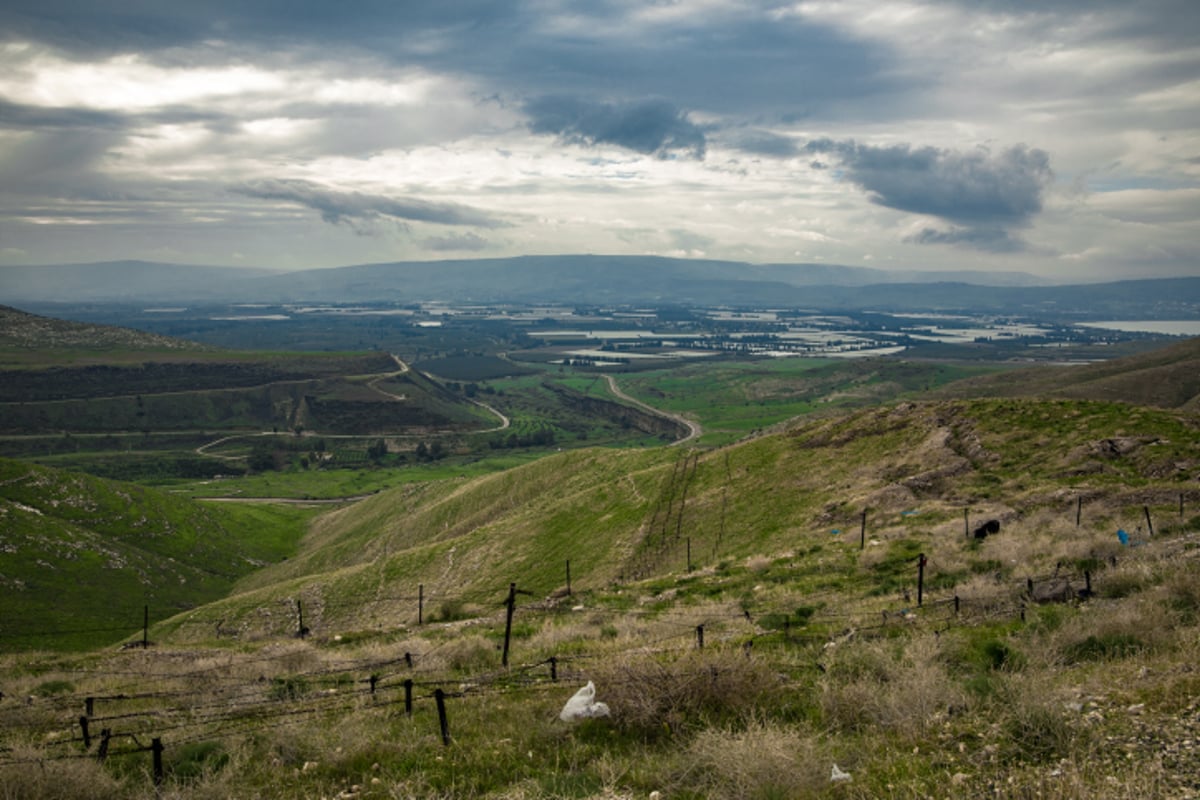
835,531
1123,536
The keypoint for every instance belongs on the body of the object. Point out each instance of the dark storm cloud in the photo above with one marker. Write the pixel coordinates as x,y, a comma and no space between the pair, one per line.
973,188
354,208
994,240
651,126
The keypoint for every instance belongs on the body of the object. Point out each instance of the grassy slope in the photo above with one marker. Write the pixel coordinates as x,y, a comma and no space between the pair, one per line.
1168,377
607,512
81,556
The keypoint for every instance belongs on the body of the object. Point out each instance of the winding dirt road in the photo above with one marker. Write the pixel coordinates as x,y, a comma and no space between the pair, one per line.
694,429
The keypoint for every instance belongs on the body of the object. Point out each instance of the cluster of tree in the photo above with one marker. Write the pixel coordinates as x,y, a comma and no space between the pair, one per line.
430,452
542,437
469,389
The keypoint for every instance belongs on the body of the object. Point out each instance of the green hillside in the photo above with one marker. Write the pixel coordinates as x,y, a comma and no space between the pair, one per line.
1167,377
81,557
625,515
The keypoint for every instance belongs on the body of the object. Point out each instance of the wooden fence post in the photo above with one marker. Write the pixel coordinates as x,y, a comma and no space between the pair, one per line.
87,739
408,662
102,751
510,605
156,751
440,697
1149,524
89,706
967,523
301,631
421,604
699,637
921,561
1078,510
408,687
554,668
862,534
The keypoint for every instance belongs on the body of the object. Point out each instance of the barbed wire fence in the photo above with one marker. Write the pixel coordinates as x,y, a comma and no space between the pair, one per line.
220,701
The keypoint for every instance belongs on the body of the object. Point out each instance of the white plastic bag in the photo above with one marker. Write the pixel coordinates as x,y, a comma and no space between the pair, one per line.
583,705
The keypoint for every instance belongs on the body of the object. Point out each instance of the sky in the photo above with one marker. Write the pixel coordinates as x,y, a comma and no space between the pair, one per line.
1060,138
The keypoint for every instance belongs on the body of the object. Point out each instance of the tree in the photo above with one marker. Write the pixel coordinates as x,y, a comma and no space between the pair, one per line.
377,450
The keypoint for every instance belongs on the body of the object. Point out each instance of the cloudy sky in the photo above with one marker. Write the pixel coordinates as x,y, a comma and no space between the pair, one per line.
1059,137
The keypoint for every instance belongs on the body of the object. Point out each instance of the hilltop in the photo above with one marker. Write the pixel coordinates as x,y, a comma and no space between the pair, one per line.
22,334
1168,377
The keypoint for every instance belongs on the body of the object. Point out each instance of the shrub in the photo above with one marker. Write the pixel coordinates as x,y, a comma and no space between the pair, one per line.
650,697
762,762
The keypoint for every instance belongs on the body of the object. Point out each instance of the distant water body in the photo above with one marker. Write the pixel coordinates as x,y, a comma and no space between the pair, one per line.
1184,327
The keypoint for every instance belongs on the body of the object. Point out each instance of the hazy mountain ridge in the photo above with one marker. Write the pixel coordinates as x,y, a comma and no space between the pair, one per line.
559,278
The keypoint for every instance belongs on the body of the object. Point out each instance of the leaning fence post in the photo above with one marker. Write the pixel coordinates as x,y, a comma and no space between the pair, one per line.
1149,524
87,739
440,698
510,605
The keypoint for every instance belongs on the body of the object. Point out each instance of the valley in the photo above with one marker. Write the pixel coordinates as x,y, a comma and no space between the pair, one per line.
767,566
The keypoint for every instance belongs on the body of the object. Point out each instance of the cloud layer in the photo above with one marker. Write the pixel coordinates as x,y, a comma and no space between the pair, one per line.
1053,137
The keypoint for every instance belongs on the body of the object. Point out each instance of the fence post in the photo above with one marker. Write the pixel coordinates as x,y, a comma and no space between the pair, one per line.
302,631
408,687
862,533
956,605
967,523
89,706
510,604
102,751
921,561
554,668
87,739
1149,524
421,604
408,662
440,697
699,637
156,750
1078,510
568,577
374,679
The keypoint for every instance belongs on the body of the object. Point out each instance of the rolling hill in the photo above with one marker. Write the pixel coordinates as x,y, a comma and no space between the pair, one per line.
1168,377
80,557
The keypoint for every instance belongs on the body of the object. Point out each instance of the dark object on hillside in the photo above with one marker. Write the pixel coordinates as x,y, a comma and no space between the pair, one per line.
989,528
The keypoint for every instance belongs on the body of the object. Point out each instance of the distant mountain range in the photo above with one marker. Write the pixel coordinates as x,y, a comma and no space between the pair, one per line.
598,280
